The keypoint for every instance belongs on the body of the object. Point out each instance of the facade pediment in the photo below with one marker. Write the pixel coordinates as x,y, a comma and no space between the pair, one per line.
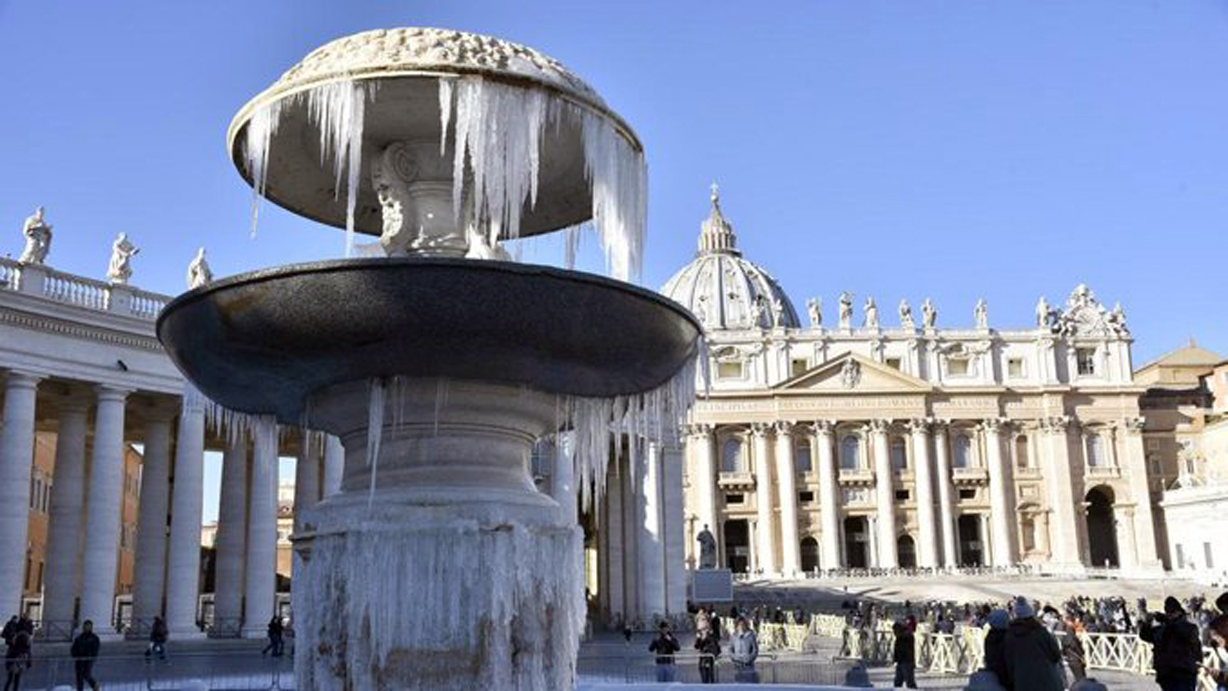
852,373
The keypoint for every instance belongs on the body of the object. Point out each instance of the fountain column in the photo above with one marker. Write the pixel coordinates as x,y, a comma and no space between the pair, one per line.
183,558
231,540
63,565
334,464
103,512
563,480
150,571
260,583
16,460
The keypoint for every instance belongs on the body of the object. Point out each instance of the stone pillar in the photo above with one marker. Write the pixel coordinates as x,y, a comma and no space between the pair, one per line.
61,572
261,575
674,527
150,571
885,495
183,559
306,479
16,461
1143,523
614,543
927,552
650,547
1066,544
563,478
1001,506
230,544
786,478
829,495
986,544
703,440
946,498
334,465
102,514
763,500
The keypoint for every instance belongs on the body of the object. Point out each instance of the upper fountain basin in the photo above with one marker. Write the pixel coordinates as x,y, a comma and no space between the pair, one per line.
404,67
262,342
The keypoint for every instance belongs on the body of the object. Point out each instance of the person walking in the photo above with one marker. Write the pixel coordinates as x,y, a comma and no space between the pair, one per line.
1033,658
708,643
17,660
1072,647
84,652
904,655
744,650
10,630
275,632
1177,650
995,646
157,640
665,645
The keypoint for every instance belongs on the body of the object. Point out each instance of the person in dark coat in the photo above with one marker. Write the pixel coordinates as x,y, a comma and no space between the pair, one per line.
665,645
1033,658
995,646
25,623
708,643
157,639
17,660
1221,603
85,653
275,632
1177,653
10,630
1072,648
904,655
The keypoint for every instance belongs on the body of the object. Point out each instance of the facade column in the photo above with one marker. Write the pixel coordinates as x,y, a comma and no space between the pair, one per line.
927,551
334,465
702,439
306,479
649,542
1041,521
231,542
149,578
786,478
260,582
1067,547
946,503
986,543
187,498
16,461
885,495
829,495
63,566
1143,524
102,512
674,527
1002,509
763,499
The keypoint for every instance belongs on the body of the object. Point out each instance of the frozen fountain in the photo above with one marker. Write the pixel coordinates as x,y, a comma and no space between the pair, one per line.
439,565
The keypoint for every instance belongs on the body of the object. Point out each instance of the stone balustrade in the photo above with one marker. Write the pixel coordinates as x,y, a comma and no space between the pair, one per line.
44,282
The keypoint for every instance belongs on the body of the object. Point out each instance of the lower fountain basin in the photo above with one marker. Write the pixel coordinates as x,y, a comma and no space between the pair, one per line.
264,341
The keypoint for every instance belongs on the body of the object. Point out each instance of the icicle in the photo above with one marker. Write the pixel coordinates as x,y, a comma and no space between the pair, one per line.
445,116
338,109
259,135
375,433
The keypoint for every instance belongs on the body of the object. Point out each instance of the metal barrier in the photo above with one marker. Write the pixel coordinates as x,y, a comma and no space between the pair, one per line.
226,628
636,668
242,670
55,631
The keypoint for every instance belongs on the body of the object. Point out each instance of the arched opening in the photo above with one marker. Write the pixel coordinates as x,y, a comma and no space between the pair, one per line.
971,548
899,454
731,456
856,542
906,552
850,452
801,456
810,554
1101,527
963,451
737,545
1022,460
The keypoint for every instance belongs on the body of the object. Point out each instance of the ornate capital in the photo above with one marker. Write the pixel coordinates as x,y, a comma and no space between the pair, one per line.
994,425
1056,424
760,429
919,425
939,425
698,429
1134,425
879,426
824,427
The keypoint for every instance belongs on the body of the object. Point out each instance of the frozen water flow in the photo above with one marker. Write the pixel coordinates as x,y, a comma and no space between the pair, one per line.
375,431
338,108
260,132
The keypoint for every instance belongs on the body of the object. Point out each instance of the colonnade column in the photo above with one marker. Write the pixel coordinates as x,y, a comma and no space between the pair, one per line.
183,558
786,478
16,461
149,577
63,565
674,511
260,582
649,542
829,495
613,547
334,465
1002,509
885,495
1065,539
306,479
766,543
102,512
946,503
928,549
230,543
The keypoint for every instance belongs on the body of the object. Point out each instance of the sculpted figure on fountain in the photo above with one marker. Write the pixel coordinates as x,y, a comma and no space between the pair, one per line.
38,239
122,252
199,273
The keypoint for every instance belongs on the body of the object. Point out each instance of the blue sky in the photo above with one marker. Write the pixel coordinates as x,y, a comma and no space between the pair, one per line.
908,148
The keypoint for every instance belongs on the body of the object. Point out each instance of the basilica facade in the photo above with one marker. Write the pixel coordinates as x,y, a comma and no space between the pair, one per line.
859,443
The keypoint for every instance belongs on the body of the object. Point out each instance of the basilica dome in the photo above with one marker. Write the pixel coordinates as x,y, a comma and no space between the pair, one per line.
723,289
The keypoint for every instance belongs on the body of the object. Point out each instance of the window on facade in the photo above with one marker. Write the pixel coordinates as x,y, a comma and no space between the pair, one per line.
963,451
798,366
805,497
850,453
1028,527
1014,367
1206,553
1021,452
1153,464
1095,451
899,456
801,455
901,495
957,367
731,456
1180,557
894,363
729,370
1085,360
735,498
967,493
